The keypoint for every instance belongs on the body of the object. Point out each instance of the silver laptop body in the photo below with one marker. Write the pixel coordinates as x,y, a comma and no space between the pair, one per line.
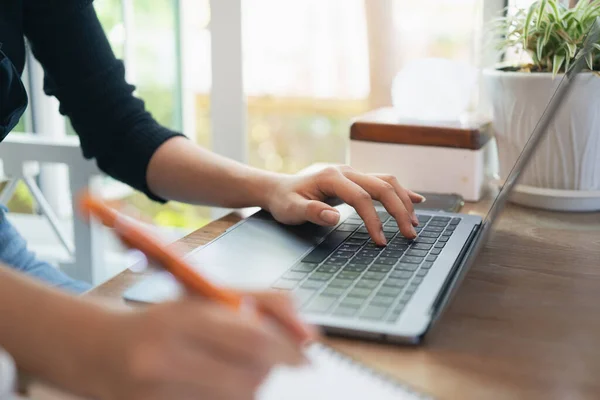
259,253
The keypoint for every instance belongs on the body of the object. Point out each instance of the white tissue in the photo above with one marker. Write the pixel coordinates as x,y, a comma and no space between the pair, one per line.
434,89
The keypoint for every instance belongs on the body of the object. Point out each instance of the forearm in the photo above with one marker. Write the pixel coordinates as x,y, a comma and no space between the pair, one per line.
183,171
42,330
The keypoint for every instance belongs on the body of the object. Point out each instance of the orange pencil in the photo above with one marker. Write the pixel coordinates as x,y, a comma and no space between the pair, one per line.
136,238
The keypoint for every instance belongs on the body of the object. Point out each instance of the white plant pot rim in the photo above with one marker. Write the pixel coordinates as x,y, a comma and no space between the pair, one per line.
528,75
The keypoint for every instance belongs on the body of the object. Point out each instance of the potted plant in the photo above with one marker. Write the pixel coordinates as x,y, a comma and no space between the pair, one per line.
565,171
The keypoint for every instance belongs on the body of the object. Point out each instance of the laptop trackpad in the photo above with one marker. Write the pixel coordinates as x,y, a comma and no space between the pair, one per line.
252,255
255,253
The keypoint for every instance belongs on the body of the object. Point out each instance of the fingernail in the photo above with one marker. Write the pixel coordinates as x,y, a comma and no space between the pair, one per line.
414,233
423,199
382,237
329,217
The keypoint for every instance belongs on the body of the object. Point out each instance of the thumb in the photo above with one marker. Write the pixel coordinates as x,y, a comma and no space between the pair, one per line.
320,213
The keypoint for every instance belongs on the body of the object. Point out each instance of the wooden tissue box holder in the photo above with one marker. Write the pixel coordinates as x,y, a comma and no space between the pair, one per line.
449,157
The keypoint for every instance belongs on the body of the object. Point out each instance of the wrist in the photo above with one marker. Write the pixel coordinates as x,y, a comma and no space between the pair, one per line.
261,186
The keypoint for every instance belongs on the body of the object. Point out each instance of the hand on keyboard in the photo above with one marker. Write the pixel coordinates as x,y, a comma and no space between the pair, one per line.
296,199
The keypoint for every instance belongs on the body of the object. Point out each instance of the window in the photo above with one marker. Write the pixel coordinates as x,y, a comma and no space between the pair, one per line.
309,67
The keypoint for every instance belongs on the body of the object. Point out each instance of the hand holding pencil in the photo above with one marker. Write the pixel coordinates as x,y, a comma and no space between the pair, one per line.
203,345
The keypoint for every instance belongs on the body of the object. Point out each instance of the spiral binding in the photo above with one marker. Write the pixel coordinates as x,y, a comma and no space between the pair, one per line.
372,372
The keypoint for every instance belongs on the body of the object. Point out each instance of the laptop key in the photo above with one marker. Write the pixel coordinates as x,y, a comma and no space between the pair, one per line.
312,284
425,240
305,267
389,235
345,312
320,304
421,246
386,261
349,247
417,253
443,239
427,265
372,275
333,291
436,251
362,229
352,302
394,316
439,245
320,276
342,255
455,221
391,228
401,274
450,228
397,246
373,312
391,291
362,260
368,253
385,301
328,268
392,253
431,258
438,229
424,218
285,284
294,275
368,284
345,227
380,268
429,234
441,219
360,236
341,283
393,282
406,267
411,259
355,241
362,293
331,242
437,223
348,275
418,279
355,267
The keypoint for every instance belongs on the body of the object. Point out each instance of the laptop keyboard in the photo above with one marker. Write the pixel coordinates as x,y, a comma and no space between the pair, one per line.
347,275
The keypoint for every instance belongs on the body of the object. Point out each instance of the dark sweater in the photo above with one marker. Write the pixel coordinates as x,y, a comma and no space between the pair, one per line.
82,72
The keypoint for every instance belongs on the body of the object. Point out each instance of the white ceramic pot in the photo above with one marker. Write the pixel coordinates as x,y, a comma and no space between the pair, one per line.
569,157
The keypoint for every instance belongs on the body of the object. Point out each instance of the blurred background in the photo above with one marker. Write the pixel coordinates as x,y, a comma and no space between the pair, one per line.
302,71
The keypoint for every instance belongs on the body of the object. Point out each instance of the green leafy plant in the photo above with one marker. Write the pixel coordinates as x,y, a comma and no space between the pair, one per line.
550,33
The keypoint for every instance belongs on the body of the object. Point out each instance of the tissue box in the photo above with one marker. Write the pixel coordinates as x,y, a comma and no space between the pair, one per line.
437,157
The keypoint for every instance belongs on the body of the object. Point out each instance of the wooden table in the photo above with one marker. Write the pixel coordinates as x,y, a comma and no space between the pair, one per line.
524,324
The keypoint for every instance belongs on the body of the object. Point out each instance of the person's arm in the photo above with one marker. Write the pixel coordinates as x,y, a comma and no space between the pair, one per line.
39,327
82,72
192,348
128,144
183,171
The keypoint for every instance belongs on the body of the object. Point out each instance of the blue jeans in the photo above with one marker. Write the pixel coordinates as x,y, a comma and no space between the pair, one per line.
14,254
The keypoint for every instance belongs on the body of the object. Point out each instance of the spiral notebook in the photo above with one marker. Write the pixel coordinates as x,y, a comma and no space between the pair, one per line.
332,375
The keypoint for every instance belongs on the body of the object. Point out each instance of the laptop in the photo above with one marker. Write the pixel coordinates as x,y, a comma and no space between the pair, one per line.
340,279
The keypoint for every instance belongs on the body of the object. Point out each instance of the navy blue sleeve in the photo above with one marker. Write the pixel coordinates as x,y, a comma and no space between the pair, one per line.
82,72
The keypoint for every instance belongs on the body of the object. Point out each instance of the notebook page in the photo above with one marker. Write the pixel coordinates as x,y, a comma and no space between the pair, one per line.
331,376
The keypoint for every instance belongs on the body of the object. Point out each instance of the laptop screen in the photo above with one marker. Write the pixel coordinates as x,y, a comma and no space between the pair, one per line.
560,96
